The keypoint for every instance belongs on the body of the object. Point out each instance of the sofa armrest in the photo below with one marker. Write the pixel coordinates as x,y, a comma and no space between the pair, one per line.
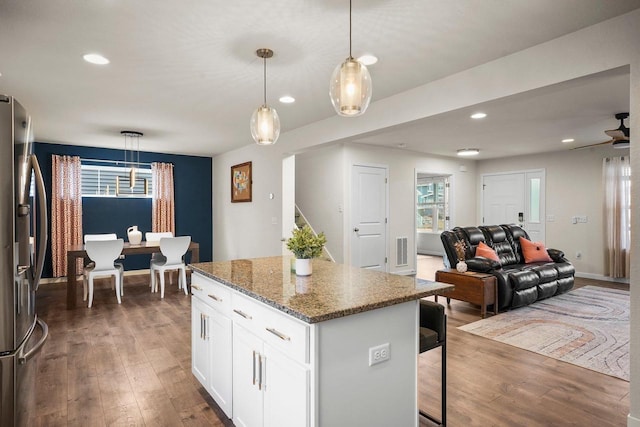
483,265
557,255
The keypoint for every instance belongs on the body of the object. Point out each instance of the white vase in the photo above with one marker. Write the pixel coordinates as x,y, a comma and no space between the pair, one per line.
303,267
135,236
461,266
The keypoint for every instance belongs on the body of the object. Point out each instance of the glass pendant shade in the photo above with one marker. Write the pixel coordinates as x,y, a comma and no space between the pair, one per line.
265,125
350,88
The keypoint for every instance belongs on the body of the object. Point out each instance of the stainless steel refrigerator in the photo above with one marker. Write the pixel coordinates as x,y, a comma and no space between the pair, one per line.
23,242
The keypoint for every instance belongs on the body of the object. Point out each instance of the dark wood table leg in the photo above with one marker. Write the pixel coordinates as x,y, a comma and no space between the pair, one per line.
495,297
195,255
71,283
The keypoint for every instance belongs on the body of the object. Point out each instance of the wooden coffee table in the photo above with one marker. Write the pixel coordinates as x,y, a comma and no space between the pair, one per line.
476,288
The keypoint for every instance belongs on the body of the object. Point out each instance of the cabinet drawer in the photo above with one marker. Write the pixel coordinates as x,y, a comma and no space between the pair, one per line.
212,293
274,327
287,334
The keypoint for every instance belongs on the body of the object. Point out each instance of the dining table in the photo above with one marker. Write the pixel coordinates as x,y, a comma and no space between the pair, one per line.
75,252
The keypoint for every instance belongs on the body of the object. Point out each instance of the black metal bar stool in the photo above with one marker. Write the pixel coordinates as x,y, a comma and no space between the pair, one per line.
433,334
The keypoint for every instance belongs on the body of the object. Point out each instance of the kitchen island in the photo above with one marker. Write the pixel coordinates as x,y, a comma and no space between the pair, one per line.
338,347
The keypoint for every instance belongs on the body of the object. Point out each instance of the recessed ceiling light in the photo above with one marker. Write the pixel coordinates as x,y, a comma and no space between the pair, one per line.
402,145
468,152
287,99
95,58
479,115
568,140
367,60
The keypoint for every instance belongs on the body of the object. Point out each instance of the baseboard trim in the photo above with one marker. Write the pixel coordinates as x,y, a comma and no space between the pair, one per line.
601,277
633,421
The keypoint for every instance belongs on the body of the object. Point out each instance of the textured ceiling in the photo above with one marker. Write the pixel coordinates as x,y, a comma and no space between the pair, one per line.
185,72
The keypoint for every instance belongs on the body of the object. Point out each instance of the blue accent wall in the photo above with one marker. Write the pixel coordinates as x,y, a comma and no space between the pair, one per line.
193,200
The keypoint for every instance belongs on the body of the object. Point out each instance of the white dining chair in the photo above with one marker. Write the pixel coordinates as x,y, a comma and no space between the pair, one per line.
105,236
154,238
174,249
102,237
103,253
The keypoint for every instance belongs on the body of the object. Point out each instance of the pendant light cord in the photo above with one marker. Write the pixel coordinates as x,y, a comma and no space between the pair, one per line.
264,60
350,56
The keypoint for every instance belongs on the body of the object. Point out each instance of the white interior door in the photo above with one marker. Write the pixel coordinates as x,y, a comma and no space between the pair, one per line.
503,199
515,198
369,217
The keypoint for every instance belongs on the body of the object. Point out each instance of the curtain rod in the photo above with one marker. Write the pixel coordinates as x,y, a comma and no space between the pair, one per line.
116,162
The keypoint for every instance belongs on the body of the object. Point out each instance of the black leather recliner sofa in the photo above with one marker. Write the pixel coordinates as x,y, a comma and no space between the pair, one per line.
519,283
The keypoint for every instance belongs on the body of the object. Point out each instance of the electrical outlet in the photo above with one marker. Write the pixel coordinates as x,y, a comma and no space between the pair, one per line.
582,219
378,354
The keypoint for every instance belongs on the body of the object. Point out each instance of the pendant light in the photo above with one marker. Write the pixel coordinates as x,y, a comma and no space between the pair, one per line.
265,123
350,85
131,142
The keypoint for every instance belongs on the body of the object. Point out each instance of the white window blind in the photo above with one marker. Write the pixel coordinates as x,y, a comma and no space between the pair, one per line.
104,181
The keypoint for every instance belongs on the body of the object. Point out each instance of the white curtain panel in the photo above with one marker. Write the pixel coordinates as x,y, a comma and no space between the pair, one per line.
616,172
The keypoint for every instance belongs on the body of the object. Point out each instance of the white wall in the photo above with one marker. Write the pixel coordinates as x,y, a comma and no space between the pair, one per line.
320,194
573,187
402,165
247,230
323,185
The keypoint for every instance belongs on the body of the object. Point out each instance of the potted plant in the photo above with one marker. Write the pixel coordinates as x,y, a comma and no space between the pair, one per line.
305,245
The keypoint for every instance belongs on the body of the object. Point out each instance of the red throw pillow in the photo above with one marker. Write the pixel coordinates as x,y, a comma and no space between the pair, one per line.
486,251
534,251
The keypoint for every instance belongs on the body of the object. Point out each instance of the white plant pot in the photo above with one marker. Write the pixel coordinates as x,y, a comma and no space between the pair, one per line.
461,266
303,267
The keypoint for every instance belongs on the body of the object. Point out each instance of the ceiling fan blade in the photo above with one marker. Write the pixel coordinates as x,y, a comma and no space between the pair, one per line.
594,145
615,133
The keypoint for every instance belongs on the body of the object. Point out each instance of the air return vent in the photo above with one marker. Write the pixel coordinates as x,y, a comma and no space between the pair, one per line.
401,251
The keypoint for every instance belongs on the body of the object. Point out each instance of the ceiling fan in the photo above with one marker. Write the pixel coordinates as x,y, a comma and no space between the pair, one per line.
619,137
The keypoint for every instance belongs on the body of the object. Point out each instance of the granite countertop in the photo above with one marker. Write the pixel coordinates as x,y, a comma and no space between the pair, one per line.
332,291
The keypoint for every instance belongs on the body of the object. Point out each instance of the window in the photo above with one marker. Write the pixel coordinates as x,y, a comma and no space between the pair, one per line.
432,210
113,181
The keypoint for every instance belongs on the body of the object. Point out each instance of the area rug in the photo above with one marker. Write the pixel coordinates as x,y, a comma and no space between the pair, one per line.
588,327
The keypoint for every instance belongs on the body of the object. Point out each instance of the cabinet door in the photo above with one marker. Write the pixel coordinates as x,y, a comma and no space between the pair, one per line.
286,390
221,362
247,388
199,346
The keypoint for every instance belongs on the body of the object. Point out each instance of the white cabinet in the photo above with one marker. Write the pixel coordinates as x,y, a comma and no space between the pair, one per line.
247,378
200,349
271,367
269,388
211,341
267,368
286,391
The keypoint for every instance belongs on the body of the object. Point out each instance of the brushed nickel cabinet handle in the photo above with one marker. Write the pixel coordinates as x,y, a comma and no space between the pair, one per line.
243,314
254,367
280,335
215,297
196,287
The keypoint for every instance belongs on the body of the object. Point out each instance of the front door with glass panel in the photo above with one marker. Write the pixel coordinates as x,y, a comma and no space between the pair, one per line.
515,198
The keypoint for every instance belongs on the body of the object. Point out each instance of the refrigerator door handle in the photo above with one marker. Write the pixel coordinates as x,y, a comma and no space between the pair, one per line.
24,357
42,205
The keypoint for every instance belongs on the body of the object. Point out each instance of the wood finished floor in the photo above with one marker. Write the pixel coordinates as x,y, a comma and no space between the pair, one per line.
130,364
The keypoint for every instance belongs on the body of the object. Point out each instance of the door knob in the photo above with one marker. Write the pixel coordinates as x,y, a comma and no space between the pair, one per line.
356,229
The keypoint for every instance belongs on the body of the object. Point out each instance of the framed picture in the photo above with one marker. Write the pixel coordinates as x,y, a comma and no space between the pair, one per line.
241,180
